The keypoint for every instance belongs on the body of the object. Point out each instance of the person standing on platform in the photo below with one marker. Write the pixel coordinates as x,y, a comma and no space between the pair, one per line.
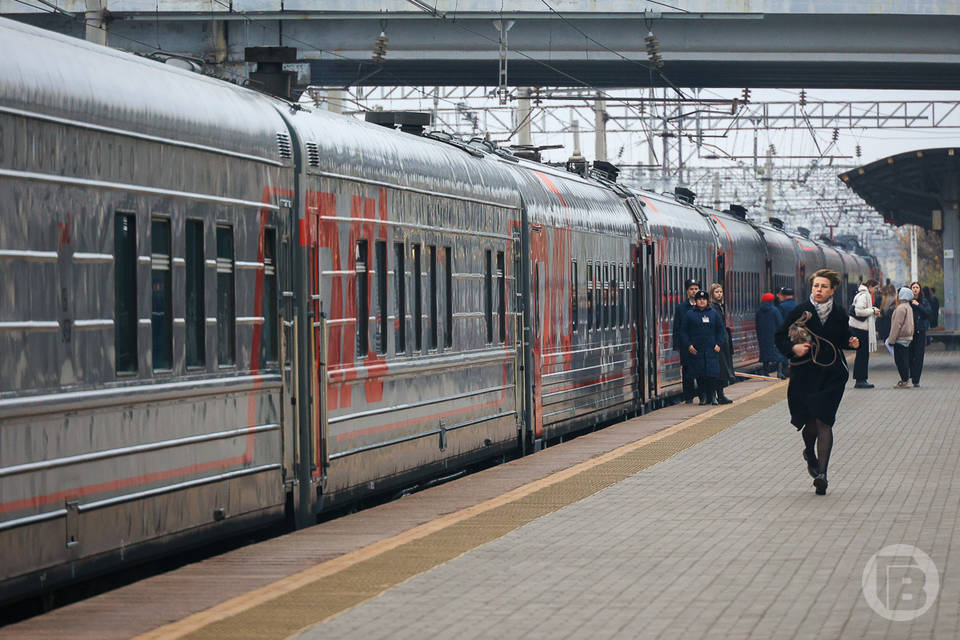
785,301
934,308
818,369
701,334
691,287
901,335
921,324
727,375
768,320
888,300
863,324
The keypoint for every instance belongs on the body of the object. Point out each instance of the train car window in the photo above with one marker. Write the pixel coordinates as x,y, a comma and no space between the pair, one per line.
606,296
125,292
488,293
417,299
270,334
363,299
614,296
432,260
383,314
226,301
574,301
589,296
400,277
448,302
194,293
161,296
536,300
502,295
598,290
622,292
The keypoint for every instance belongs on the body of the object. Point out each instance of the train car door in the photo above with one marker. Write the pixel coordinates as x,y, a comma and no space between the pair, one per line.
529,272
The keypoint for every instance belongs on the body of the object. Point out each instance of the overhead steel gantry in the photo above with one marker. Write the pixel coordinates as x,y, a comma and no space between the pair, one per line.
622,43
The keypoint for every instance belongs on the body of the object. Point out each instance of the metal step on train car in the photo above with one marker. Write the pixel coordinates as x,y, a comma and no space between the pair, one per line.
219,310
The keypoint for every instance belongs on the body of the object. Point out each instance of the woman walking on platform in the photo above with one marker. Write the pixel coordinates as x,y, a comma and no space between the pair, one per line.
901,335
921,323
863,326
813,335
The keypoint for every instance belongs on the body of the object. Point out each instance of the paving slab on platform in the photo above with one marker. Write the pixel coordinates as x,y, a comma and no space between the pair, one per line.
725,539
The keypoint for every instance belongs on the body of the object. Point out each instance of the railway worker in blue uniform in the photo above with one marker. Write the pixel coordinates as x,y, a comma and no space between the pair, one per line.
769,319
785,301
813,335
691,287
701,334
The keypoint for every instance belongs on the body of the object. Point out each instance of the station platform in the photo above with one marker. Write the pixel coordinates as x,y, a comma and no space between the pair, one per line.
687,522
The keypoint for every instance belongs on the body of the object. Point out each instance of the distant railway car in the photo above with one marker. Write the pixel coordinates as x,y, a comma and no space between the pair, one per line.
221,310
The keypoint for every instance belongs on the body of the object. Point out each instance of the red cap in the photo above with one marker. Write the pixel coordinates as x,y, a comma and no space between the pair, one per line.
767,297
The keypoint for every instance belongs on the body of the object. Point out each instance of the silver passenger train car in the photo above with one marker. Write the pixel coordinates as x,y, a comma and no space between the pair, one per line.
219,310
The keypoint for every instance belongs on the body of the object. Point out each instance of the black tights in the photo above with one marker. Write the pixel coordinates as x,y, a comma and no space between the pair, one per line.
821,434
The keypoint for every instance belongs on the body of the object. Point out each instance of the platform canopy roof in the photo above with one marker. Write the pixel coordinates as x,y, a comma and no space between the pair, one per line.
908,188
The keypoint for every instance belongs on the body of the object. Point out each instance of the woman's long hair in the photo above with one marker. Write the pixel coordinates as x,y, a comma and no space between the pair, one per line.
918,296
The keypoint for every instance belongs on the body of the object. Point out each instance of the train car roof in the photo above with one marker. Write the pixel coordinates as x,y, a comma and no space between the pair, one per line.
55,77
347,148
560,198
664,210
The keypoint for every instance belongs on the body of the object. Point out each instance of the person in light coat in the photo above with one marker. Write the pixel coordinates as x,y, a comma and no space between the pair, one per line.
901,335
863,324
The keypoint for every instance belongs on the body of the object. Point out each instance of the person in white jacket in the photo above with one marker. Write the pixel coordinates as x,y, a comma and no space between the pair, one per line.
863,324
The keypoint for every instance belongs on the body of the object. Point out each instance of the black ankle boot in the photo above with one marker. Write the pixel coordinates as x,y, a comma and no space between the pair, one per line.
813,464
820,482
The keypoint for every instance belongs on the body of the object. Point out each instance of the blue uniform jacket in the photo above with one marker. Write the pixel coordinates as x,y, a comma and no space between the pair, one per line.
704,330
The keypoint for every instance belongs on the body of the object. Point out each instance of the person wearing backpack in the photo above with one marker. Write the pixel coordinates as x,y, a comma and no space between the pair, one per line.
863,324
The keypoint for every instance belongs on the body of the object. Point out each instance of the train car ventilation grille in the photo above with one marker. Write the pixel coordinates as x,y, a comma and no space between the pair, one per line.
284,148
313,154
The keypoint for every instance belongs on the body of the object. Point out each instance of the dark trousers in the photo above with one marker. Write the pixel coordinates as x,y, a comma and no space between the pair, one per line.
901,356
689,382
863,354
707,387
917,348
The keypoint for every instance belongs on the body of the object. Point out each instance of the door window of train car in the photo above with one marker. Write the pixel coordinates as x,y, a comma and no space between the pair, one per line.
488,294
268,342
432,259
606,296
589,296
400,291
417,299
502,295
194,294
536,300
380,249
573,297
363,310
161,297
448,298
226,302
125,292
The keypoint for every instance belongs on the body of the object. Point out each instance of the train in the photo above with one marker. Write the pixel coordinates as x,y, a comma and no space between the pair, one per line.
220,310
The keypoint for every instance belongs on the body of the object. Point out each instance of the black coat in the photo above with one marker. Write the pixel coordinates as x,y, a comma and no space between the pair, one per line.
727,374
678,312
921,316
815,391
703,329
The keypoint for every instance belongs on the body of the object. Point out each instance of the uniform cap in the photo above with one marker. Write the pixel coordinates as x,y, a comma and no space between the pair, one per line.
689,283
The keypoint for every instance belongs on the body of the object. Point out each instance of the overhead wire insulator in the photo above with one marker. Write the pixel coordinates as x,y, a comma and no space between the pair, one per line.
745,96
380,48
858,151
836,135
803,97
653,50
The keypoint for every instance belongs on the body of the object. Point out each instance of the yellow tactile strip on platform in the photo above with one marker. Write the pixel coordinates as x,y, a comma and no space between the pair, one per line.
288,606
